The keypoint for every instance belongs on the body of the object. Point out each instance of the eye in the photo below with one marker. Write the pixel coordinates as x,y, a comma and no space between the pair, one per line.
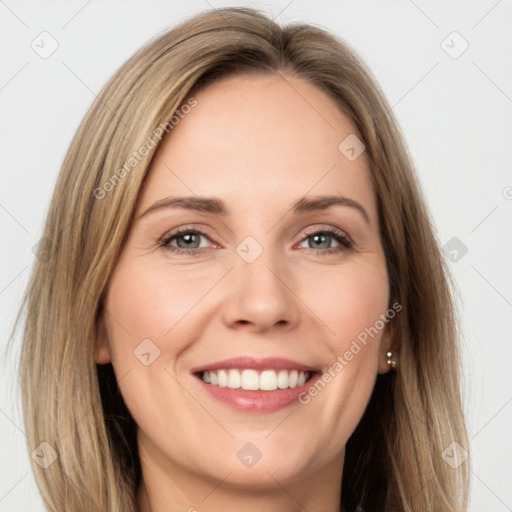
188,241
322,240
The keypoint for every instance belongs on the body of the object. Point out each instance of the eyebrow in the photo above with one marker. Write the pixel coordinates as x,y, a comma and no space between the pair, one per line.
217,206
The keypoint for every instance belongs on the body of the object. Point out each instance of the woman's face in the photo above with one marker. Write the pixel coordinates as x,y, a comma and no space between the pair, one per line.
266,284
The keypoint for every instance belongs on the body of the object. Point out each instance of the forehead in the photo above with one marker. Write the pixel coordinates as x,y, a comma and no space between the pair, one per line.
256,138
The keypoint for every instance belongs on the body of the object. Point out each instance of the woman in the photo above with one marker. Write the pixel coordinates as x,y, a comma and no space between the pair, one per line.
188,345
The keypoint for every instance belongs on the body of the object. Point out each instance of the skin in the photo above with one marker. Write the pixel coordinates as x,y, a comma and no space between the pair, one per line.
258,143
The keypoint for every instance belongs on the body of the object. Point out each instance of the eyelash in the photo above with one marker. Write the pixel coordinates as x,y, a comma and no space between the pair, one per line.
342,239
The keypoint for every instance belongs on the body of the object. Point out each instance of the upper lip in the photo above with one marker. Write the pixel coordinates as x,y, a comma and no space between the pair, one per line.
266,363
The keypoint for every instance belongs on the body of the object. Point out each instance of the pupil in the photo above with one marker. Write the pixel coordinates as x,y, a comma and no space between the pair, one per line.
318,238
188,238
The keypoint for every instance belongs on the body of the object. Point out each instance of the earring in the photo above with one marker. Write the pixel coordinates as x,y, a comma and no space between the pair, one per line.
391,362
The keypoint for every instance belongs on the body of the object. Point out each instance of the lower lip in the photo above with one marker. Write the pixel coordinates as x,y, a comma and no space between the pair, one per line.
258,401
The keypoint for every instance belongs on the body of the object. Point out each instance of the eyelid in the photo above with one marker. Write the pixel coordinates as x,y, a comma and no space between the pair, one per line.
327,229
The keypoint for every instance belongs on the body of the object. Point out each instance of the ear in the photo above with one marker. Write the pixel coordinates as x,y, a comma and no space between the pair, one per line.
388,343
102,344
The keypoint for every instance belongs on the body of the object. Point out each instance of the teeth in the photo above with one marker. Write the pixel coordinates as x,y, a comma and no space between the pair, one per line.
223,378
267,380
250,380
282,379
294,375
234,379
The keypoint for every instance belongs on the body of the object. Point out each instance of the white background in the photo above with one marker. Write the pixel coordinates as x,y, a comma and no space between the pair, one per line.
455,113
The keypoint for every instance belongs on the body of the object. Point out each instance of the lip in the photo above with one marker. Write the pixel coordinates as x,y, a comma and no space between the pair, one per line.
252,363
256,401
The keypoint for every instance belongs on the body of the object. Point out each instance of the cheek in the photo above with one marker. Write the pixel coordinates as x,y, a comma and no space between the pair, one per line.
151,302
350,301
355,298
149,326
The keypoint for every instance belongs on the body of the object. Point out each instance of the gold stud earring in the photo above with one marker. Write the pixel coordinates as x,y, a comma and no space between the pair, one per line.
391,362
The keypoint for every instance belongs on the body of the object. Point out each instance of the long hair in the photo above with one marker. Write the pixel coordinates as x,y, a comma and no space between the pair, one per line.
394,459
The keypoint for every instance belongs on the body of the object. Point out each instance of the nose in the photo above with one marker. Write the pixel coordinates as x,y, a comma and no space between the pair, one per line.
260,295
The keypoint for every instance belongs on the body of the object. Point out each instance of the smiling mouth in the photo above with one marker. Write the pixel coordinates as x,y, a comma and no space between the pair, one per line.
254,380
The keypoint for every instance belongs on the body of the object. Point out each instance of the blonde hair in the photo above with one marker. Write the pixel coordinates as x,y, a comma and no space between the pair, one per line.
394,458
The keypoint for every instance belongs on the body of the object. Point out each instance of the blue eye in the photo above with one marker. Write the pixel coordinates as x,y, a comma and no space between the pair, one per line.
188,241
320,237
